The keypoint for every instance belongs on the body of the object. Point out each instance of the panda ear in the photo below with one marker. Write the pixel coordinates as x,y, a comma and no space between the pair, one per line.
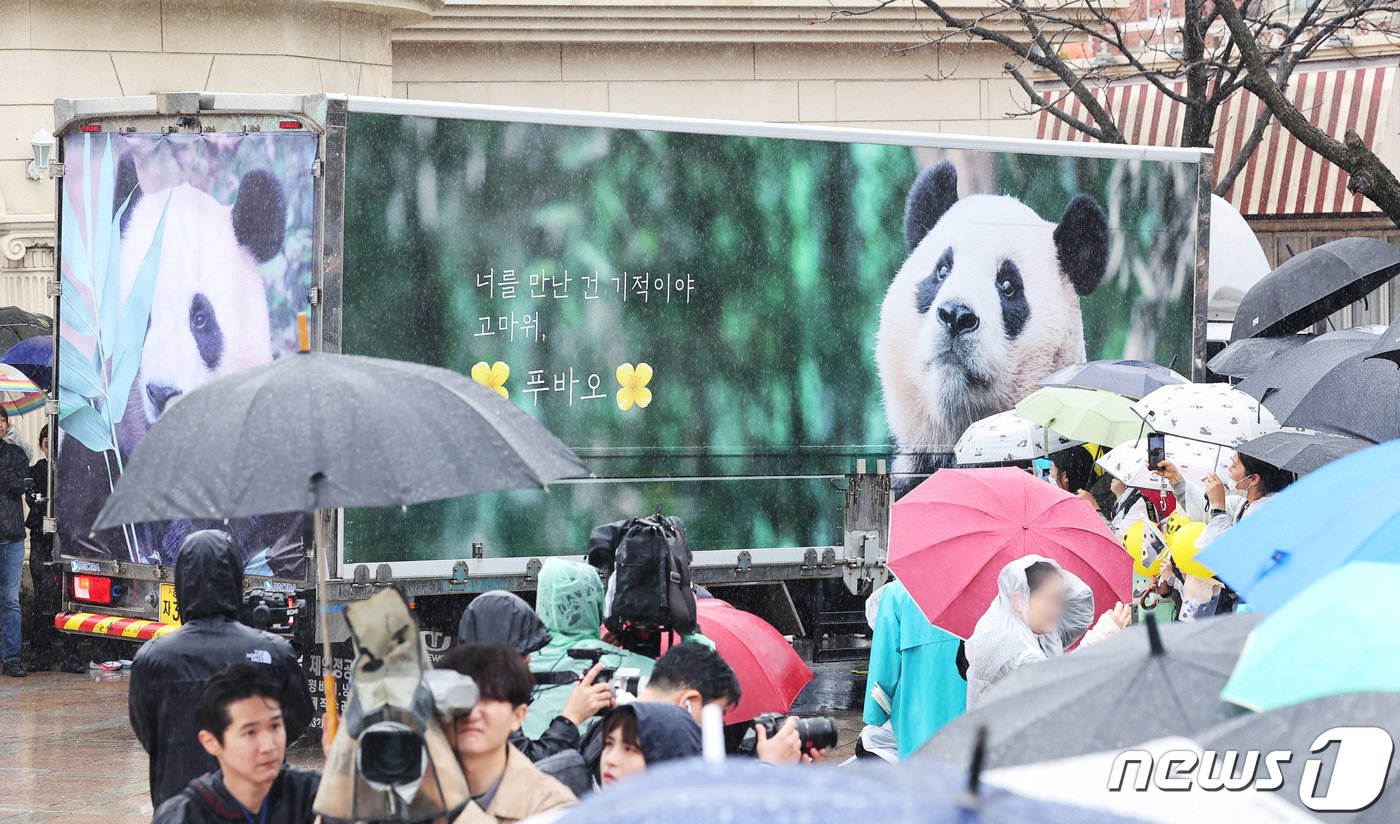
128,184
1081,242
933,193
260,215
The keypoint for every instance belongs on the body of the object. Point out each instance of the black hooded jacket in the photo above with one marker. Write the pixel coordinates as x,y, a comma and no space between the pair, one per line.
665,732
168,672
500,617
206,800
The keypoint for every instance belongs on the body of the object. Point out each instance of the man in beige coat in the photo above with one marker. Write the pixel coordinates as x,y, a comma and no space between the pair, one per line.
504,785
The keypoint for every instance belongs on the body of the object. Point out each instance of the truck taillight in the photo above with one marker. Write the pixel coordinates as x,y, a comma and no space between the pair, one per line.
289,124
92,588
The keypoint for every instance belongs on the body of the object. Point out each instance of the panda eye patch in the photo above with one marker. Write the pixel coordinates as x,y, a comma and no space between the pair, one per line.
204,326
1009,279
928,287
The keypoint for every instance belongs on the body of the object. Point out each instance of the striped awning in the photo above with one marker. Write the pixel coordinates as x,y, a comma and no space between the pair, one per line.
1282,177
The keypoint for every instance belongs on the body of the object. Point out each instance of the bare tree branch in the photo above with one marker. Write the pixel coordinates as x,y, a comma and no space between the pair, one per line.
1053,109
1368,175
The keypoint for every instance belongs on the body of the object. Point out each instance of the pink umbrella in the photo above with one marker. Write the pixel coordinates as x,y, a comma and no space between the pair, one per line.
770,671
953,533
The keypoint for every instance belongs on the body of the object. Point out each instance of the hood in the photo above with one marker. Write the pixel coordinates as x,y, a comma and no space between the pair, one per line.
208,576
570,600
500,617
665,731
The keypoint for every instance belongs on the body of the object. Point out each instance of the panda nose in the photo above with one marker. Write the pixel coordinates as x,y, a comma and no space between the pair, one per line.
160,395
958,318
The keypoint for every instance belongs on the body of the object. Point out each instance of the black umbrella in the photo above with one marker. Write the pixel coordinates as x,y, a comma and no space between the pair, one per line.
1241,358
17,325
1312,285
320,431
1388,346
1300,452
1295,728
1280,384
1147,682
1131,378
1360,398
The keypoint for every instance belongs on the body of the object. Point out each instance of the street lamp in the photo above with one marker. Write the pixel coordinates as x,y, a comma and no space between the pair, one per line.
42,143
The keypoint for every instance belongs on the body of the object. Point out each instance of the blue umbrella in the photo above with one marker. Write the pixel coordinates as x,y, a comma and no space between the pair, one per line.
1349,510
34,357
741,790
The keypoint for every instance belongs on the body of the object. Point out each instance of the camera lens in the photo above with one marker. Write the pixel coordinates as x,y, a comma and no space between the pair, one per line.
391,754
818,732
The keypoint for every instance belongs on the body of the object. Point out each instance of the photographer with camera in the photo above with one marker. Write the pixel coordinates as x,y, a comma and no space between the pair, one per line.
504,785
500,617
239,715
14,482
168,672
569,601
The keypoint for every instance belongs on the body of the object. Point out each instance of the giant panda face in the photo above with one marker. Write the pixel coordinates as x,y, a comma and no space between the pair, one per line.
209,314
986,304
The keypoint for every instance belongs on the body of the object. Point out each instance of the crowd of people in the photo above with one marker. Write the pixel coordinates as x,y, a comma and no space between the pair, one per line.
922,677
216,704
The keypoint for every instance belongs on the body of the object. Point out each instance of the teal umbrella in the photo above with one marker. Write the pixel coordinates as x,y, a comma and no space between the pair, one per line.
1337,636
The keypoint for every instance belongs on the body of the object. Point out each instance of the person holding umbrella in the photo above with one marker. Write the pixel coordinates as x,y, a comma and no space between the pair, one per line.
1040,610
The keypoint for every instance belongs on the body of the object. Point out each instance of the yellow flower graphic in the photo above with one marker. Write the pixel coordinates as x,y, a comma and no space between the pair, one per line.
492,376
633,381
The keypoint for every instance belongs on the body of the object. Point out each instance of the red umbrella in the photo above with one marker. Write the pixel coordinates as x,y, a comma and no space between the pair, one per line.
770,671
952,534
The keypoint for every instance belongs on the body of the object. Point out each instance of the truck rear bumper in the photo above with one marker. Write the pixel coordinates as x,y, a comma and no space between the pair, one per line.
111,626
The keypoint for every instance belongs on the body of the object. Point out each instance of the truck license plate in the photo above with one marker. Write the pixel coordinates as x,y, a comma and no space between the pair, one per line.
169,609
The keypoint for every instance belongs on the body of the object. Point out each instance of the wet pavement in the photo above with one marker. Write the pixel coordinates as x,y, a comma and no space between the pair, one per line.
68,756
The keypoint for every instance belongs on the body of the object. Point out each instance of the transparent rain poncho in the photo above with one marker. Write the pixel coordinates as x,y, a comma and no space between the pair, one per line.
1003,641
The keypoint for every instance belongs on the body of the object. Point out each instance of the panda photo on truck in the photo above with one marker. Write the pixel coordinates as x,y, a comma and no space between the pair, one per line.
986,304
212,215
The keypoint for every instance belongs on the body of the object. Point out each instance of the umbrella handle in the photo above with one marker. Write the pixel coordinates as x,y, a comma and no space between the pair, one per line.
332,721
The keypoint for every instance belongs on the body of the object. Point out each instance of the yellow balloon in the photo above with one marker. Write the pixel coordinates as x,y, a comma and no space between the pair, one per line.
1132,542
1182,542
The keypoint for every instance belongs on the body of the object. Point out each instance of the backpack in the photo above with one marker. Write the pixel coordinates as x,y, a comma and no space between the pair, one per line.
649,591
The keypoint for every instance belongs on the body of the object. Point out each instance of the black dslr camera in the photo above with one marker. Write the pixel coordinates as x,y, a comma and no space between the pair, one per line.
817,732
270,610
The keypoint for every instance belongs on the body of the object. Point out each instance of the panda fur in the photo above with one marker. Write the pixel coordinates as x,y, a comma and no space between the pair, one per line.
209,313
985,305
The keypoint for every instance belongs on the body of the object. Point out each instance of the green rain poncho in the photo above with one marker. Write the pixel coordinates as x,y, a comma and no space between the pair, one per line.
570,603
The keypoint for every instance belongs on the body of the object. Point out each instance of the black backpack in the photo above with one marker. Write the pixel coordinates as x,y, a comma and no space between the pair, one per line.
650,590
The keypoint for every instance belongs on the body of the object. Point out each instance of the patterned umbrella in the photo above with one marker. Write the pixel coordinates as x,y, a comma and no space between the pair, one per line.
1007,437
1194,459
1211,412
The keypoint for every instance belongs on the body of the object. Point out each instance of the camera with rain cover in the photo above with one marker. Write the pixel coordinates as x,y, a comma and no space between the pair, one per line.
391,752
389,760
817,732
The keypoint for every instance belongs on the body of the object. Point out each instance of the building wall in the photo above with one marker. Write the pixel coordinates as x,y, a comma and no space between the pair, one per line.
107,48
857,85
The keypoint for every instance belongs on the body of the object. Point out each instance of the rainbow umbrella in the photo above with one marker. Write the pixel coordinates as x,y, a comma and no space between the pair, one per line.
18,394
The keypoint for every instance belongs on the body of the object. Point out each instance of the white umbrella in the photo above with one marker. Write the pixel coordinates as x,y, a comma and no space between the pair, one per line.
1083,780
1211,412
1007,437
1194,459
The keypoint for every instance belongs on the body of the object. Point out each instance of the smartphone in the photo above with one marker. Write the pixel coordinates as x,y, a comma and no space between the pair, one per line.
1156,449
